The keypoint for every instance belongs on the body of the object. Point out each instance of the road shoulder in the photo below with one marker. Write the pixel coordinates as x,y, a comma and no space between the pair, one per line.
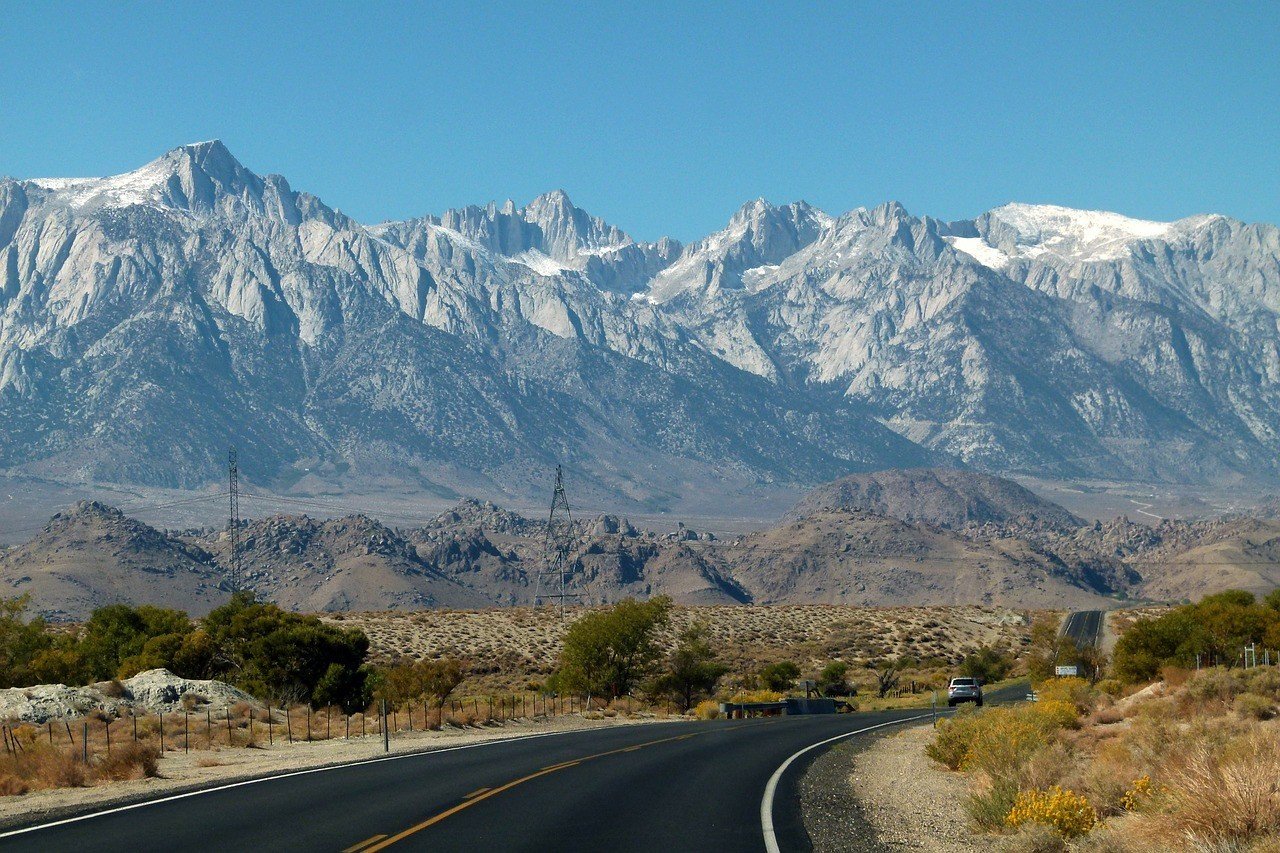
833,816
883,793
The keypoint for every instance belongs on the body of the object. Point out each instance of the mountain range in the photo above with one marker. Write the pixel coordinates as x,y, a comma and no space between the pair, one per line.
921,537
149,320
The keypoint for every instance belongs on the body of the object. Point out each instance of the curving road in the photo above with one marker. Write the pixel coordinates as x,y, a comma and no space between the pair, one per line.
663,786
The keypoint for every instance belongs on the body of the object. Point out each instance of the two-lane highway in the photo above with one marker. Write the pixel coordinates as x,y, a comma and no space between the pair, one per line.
1084,627
663,786
724,785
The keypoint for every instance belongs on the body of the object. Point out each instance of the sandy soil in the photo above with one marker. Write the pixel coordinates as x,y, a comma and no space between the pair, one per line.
204,768
911,802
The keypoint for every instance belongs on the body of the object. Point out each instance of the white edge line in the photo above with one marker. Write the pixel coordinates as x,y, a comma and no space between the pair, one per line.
421,754
766,803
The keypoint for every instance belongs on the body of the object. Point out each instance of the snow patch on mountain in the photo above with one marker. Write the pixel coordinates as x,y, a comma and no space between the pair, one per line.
977,248
1084,236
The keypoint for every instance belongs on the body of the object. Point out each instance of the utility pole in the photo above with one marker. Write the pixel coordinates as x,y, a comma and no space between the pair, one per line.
233,519
553,578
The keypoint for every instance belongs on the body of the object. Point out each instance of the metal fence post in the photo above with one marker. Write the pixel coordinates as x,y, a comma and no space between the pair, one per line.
386,735
934,708
84,742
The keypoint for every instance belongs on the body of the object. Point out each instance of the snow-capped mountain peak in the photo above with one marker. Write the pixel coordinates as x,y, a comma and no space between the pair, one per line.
758,235
1082,236
190,177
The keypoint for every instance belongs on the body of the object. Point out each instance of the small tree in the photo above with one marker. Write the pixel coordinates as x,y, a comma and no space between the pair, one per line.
834,679
779,676
440,678
20,641
692,670
986,664
887,675
607,652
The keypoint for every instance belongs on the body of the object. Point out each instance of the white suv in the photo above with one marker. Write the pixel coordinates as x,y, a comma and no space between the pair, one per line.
964,690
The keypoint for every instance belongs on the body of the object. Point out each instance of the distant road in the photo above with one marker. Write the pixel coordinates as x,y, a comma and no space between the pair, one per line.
1084,627
663,787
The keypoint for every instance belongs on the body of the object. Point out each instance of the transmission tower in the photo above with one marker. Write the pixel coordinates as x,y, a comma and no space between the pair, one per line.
233,520
553,578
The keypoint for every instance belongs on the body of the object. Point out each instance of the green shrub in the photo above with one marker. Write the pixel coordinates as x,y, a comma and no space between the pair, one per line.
951,742
988,808
1212,630
779,676
1255,707
987,664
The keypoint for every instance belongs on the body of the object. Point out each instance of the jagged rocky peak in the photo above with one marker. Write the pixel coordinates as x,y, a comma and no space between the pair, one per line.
477,514
759,236
90,510
549,225
196,177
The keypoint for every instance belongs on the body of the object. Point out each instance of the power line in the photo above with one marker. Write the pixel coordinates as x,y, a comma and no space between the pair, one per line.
553,578
233,521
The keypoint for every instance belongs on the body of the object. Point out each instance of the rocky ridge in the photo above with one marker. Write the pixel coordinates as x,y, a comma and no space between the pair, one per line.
927,537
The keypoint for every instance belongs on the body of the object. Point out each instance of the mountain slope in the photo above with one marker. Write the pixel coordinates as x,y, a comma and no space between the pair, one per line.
149,319
92,555
943,497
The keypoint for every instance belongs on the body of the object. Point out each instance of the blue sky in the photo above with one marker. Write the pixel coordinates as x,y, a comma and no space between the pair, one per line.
664,118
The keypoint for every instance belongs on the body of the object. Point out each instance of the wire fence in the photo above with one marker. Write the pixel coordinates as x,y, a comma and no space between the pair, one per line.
246,725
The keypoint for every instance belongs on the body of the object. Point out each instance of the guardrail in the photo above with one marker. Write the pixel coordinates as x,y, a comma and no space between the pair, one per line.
783,707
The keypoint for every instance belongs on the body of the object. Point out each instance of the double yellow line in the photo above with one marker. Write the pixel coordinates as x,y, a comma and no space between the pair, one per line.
381,842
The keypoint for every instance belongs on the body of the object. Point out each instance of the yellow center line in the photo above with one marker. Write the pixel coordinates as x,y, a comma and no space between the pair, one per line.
486,793
354,847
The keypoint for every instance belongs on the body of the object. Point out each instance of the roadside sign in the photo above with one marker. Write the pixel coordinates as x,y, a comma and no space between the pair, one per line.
1060,671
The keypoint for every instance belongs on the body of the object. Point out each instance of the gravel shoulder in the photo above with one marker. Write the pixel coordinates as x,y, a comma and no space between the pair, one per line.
181,772
884,794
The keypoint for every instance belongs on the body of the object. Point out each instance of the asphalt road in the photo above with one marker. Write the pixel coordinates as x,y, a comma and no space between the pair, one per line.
1084,627
666,786
663,786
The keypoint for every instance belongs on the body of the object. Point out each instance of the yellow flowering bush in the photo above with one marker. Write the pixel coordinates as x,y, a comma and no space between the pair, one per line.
1140,789
1055,714
1073,690
1003,740
1069,814
707,709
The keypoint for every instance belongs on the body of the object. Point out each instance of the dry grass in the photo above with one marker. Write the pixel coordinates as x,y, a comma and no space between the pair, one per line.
1221,795
1193,767
41,766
